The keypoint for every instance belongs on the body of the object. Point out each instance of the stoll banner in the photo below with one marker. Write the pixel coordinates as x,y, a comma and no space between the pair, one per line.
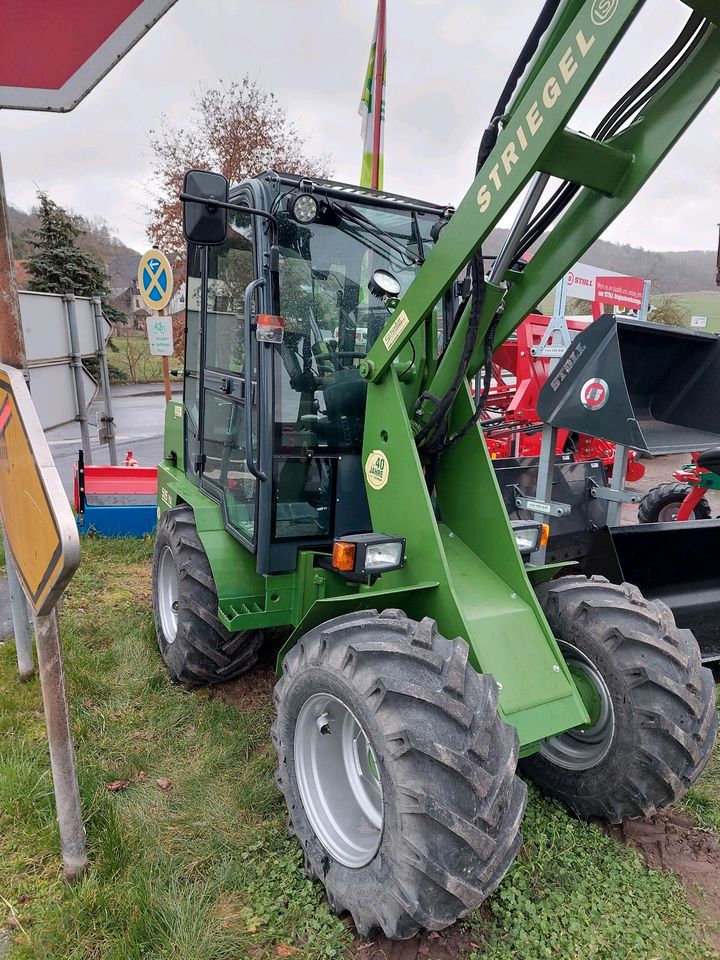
605,288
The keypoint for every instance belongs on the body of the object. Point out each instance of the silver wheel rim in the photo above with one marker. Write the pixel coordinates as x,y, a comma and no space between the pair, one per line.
168,594
338,780
669,513
583,747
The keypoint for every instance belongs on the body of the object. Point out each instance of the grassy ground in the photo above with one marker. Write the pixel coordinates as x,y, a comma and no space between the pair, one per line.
202,870
703,304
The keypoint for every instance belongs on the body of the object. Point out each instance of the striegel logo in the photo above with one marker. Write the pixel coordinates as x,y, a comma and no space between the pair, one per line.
603,11
555,85
594,394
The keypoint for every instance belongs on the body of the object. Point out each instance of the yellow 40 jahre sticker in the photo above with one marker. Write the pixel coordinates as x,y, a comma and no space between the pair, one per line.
377,469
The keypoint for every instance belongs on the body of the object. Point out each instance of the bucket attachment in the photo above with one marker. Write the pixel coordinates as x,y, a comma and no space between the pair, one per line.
674,562
639,384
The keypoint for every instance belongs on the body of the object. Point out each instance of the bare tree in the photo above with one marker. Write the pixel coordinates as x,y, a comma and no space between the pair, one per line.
670,311
575,307
237,129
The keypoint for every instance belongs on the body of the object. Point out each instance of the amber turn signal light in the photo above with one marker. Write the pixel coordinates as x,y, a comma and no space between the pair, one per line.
343,557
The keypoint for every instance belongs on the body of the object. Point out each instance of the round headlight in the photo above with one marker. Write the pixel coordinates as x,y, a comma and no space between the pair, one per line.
383,284
304,208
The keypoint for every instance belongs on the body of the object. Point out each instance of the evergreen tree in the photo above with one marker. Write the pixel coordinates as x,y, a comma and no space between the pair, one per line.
57,264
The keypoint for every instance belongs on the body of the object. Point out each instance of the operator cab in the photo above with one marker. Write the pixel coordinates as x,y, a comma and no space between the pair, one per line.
274,410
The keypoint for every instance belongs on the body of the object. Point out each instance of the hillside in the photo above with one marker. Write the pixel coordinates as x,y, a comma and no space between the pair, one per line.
681,271
121,260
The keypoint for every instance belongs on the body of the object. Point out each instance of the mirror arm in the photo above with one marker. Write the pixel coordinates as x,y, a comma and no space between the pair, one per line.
238,207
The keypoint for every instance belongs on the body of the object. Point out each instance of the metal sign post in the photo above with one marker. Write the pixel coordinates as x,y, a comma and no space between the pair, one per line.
21,621
108,421
43,543
76,363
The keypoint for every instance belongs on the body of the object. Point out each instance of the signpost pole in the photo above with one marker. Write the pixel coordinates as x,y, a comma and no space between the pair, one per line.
21,622
76,363
166,378
645,305
62,750
108,420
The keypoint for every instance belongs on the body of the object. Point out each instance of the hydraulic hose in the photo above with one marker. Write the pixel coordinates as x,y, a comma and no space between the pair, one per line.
433,434
626,107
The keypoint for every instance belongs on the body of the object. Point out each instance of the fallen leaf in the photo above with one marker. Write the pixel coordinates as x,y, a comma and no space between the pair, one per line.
117,785
164,783
283,950
38,714
141,777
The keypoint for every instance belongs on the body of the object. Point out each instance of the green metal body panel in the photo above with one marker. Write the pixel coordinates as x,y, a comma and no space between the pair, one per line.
462,566
483,593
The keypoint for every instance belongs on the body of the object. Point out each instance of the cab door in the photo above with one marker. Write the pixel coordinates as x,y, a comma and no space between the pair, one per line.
221,394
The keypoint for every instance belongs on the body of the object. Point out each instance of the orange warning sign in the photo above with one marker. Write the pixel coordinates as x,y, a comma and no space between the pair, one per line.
39,524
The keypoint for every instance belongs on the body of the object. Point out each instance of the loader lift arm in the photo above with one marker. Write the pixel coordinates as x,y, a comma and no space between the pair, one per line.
483,589
535,144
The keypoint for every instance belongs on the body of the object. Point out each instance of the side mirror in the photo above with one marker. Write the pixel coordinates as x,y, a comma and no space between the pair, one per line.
204,221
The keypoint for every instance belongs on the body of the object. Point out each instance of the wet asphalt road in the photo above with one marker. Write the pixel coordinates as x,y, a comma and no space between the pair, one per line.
139,413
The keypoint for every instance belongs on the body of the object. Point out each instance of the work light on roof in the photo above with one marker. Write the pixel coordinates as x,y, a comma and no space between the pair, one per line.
304,208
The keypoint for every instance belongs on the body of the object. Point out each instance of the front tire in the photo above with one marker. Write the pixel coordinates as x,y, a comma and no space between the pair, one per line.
398,774
662,503
651,702
196,647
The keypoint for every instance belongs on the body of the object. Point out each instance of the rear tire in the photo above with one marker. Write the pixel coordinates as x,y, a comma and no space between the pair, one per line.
194,644
661,504
659,700
416,826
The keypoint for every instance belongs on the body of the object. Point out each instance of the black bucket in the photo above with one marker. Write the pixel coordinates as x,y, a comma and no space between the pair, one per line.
678,563
644,385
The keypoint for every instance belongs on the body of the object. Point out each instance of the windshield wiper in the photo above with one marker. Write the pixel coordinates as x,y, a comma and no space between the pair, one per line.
349,213
418,236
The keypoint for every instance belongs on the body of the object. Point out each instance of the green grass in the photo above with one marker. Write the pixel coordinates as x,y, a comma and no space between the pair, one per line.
205,871
703,304
133,359
703,801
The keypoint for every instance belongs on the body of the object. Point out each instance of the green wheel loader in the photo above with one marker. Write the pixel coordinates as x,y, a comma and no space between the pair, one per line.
326,473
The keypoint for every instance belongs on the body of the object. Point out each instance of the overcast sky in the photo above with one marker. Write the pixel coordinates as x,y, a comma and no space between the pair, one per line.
447,61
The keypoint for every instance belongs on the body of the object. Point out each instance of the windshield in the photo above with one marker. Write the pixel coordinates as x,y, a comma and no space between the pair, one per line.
331,319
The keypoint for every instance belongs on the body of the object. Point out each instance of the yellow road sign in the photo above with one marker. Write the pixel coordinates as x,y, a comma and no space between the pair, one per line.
39,524
155,279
